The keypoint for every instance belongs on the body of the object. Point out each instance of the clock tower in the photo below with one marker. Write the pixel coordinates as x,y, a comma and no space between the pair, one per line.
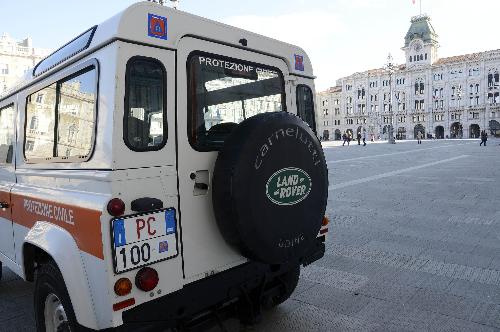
421,42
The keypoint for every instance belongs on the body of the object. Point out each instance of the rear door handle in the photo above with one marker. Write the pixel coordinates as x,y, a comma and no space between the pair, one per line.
201,180
201,186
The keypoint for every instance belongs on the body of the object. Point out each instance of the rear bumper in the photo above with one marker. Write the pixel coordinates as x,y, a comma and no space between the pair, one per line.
203,296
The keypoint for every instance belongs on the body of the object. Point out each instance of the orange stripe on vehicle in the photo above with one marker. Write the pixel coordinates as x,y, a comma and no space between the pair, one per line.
83,224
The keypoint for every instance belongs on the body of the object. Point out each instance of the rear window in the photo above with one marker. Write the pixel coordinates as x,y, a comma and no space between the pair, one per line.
222,92
145,127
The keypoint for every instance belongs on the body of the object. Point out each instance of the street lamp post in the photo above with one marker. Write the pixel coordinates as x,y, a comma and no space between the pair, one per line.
390,67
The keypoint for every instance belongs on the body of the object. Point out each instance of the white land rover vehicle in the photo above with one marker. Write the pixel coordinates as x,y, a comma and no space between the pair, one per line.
158,167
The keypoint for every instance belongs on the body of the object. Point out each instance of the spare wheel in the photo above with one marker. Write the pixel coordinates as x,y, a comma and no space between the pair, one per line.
270,188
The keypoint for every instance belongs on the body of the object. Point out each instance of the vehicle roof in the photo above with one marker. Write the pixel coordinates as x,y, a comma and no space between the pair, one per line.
132,25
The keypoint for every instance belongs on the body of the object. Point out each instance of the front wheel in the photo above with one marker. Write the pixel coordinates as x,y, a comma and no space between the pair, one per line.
53,309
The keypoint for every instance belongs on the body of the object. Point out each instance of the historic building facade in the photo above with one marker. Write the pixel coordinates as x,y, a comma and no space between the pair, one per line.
17,57
454,97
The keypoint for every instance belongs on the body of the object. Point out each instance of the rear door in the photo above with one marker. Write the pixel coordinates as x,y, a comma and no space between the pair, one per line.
218,87
7,180
145,175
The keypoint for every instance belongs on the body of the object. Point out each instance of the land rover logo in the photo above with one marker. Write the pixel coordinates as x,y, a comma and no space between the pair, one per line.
288,186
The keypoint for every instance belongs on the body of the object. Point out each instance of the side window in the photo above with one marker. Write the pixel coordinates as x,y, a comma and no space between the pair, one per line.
76,116
60,119
223,92
305,105
6,134
40,117
145,127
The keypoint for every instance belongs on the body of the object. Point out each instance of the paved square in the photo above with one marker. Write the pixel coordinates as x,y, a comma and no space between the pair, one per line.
414,245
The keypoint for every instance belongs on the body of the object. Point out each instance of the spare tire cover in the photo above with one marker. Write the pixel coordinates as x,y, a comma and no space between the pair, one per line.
270,188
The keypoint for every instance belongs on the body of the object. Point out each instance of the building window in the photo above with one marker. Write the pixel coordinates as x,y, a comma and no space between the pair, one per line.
39,98
4,69
438,77
361,93
425,56
493,79
474,71
30,145
34,123
493,98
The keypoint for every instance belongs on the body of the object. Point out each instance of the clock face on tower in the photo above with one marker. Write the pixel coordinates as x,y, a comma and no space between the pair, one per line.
417,47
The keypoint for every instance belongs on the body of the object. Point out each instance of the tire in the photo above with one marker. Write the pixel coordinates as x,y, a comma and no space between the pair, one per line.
52,296
270,188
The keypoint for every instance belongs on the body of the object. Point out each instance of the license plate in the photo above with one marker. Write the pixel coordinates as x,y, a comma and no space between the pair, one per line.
144,239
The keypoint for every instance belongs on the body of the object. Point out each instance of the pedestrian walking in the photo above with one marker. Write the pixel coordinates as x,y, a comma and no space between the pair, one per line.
364,138
349,138
484,138
359,138
344,137
419,137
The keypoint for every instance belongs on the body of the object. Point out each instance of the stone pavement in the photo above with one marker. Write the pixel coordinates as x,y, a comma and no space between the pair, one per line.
414,245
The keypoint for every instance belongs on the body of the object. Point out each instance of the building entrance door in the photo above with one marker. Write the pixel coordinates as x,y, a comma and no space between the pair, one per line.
418,128
456,130
474,131
439,132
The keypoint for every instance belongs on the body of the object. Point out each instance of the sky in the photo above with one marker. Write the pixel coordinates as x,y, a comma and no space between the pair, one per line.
340,36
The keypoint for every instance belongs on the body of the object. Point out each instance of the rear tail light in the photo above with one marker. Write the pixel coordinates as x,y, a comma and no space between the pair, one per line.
123,287
146,279
116,207
124,304
325,221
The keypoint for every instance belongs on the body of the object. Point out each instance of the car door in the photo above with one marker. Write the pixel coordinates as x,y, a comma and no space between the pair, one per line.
7,180
204,250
